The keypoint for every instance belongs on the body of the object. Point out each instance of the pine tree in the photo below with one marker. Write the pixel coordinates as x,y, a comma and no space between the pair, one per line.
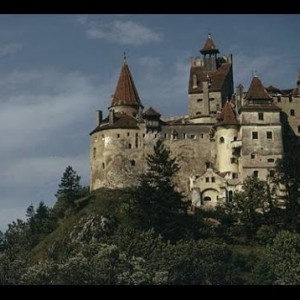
156,203
69,187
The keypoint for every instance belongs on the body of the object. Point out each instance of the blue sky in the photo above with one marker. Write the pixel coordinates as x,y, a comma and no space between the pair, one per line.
57,70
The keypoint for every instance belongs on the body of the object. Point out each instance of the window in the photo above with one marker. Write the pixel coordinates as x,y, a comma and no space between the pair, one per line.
201,135
213,179
260,116
235,175
136,140
128,133
254,135
290,98
235,138
272,173
165,135
198,113
193,136
233,160
221,140
252,155
129,146
269,135
230,196
211,99
298,129
206,179
103,165
143,135
199,100
255,174
94,152
132,162
270,160
184,135
292,112
207,198
278,99
118,135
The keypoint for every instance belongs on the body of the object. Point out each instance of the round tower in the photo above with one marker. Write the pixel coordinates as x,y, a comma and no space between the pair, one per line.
116,145
227,141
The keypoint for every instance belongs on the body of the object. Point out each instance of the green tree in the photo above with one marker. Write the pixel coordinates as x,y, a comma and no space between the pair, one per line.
283,257
251,204
156,202
69,187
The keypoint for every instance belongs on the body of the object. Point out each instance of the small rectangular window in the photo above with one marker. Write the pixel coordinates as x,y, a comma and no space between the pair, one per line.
292,112
252,155
206,179
255,174
234,175
213,179
270,160
128,133
94,152
118,135
278,99
269,135
272,173
254,135
298,129
260,116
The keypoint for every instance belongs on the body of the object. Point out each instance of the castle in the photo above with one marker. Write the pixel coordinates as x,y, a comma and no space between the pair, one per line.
225,137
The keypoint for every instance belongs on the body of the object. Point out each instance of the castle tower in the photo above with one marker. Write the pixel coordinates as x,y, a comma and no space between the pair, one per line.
209,51
210,83
261,132
116,144
227,141
126,98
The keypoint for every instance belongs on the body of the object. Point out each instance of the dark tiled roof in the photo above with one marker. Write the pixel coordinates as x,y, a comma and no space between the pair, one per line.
257,91
151,112
287,91
271,107
217,77
209,46
121,120
227,116
126,92
273,90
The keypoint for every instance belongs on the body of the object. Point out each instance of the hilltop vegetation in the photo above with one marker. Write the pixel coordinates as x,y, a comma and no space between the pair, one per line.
145,235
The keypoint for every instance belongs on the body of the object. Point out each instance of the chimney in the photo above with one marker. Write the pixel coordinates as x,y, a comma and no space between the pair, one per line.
111,117
99,117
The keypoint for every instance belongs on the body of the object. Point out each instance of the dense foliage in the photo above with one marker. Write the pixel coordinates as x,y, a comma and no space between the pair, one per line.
145,235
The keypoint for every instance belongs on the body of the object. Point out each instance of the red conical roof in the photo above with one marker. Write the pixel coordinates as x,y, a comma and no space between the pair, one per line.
126,92
209,46
227,115
257,91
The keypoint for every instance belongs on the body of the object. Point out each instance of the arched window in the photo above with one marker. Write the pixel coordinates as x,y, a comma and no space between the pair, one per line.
207,198
221,140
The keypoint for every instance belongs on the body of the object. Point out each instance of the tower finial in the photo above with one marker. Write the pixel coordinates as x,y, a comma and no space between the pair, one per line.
124,57
254,73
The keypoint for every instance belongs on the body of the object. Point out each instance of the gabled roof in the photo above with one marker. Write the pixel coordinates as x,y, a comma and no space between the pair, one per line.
209,46
227,116
257,91
121,120
151,112
273,90
217,77
126,92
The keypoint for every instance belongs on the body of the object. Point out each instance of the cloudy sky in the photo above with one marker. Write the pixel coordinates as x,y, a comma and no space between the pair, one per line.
57,70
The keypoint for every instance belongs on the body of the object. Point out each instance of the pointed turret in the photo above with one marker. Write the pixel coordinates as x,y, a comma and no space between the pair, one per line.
257,91
126,98
227,116
209,46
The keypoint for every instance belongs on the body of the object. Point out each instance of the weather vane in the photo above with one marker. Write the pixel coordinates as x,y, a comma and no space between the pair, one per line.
124,56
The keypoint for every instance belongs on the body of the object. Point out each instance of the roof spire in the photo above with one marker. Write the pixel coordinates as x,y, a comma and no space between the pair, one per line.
124,57
209,46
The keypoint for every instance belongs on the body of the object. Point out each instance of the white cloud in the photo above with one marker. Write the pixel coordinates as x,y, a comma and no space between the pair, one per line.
121,32
8,49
